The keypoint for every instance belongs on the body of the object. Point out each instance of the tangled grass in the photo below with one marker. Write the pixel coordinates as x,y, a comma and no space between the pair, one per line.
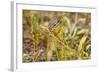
56,36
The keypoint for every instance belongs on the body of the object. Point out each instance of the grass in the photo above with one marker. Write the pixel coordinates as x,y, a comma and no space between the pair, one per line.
56,36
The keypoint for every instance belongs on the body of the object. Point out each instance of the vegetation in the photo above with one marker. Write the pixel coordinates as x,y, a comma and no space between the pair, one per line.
56,36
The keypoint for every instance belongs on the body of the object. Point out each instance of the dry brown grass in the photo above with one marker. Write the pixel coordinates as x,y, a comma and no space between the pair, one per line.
56,36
